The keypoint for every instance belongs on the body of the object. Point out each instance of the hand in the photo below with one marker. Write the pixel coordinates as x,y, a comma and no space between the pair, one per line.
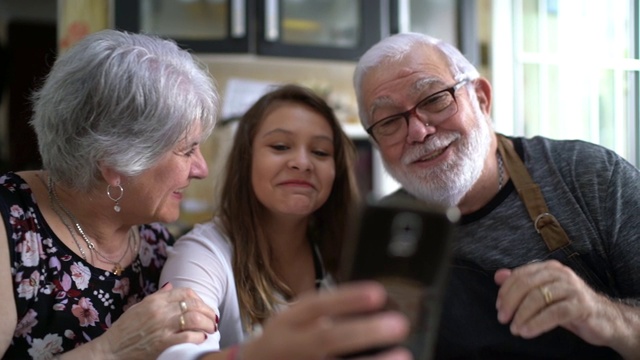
168,317
541,296
322,325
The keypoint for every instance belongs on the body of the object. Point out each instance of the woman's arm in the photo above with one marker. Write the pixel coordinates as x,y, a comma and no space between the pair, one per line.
151,326
323,325
201,261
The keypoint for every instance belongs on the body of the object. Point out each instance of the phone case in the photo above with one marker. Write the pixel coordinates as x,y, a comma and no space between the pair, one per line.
405,245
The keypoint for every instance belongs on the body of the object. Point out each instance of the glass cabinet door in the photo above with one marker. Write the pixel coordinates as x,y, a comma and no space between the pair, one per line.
437,18
334,29
334,23
327,29
192,19
453,21
201,25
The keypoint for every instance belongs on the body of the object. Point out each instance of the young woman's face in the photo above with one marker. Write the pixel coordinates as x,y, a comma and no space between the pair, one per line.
293,160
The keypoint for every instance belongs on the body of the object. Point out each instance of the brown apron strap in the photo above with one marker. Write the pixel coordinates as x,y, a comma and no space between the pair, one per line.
544,222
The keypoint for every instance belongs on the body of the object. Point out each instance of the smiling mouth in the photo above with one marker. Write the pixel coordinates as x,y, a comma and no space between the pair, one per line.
432,155
297,183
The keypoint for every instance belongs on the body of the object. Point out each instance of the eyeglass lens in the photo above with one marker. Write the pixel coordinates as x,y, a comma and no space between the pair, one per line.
433,109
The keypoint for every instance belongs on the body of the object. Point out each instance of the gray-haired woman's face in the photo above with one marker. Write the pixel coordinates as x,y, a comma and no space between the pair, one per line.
156,194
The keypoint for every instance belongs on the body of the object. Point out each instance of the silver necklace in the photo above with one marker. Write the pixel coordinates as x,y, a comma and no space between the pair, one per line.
500,171
57,206
56,209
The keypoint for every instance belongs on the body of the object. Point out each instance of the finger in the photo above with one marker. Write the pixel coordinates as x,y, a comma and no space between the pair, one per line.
554,311
357,333
166,287
347,299
535,304
501,276
196,321
396,353
182,293
521,281
194,337
186,300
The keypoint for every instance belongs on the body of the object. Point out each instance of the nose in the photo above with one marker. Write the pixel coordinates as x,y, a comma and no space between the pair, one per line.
300,160
199,168
418,129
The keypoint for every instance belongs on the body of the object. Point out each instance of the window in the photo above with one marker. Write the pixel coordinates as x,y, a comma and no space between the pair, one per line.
568,69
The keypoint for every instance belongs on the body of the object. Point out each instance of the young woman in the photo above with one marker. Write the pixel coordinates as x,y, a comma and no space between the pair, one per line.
286,200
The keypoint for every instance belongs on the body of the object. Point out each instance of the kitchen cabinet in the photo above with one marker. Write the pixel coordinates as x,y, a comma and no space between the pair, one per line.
453,21
321,29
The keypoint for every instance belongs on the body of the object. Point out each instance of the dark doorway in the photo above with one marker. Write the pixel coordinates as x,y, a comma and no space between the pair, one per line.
31,51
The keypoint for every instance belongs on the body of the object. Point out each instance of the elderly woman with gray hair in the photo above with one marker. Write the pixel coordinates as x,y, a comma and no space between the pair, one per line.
119,121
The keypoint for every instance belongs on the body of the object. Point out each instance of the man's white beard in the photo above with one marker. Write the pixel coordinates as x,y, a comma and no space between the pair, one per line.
449,182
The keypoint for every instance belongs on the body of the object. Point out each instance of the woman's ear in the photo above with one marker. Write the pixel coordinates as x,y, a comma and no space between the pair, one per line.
483,93
110,176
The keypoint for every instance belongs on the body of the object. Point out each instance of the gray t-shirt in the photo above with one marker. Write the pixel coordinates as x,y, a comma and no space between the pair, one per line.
593,193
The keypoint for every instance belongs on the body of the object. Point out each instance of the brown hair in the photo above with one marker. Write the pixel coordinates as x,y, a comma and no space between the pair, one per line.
240,211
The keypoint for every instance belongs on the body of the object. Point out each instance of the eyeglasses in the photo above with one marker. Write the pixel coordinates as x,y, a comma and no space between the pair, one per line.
435,107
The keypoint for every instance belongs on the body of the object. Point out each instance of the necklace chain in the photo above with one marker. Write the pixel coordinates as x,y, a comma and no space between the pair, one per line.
57,206
500,171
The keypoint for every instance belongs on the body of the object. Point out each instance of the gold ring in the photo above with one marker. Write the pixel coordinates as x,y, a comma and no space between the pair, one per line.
546,294
183,307
182,323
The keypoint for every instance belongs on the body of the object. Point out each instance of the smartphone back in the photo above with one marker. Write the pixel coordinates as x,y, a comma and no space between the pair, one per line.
405,245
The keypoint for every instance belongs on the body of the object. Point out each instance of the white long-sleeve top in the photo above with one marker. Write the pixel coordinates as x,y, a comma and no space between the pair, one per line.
202,260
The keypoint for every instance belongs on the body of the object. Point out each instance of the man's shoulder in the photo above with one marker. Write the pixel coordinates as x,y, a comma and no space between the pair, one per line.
564,152
538,143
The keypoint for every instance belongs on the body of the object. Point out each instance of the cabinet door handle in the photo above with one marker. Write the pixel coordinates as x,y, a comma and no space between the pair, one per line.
404,17
238,25
271,21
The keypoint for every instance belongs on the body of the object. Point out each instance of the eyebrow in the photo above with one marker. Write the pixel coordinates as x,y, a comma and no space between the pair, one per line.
416,89
422,84
287,132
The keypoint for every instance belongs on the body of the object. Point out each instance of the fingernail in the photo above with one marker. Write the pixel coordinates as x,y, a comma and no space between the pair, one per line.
514,330
163,285
501,317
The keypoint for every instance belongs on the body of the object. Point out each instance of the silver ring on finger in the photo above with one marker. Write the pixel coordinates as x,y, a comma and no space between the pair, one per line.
183,306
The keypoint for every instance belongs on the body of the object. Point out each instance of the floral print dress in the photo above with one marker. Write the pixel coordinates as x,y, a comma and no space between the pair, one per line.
62,301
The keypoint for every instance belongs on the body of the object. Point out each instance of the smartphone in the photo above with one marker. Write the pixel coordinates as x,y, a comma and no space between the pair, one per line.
406,245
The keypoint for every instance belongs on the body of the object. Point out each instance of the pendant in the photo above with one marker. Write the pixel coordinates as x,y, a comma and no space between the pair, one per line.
117,270
116,208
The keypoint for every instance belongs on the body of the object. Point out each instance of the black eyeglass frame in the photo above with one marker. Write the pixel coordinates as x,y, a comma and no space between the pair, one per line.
406,114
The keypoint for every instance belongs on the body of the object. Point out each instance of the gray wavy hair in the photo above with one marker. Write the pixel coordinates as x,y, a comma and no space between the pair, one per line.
393,49
120,99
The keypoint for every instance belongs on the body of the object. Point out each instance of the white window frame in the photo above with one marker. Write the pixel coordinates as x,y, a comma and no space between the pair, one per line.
507,78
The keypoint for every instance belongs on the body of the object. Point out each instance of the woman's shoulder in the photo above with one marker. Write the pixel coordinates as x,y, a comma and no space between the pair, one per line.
207,236
12,182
